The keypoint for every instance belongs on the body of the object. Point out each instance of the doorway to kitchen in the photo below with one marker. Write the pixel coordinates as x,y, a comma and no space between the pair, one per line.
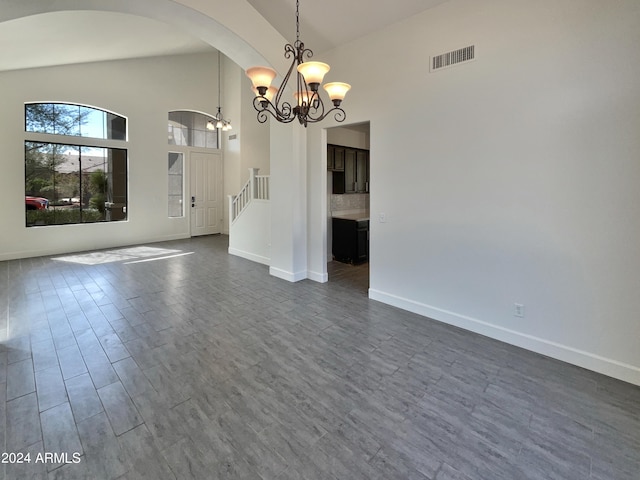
348,200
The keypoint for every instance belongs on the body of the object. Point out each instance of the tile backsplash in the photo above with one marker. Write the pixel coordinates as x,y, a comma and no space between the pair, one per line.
352,201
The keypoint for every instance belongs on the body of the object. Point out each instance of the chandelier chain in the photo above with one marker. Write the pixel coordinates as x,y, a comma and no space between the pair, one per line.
297,21
218,80
218,121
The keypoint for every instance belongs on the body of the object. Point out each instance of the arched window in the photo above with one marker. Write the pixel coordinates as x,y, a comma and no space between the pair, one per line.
192,129
70,179
74,120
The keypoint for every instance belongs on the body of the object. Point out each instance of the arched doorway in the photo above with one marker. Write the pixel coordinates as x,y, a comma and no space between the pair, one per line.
239,32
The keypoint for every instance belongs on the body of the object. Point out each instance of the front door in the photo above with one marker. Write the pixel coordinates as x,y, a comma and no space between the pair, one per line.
206,193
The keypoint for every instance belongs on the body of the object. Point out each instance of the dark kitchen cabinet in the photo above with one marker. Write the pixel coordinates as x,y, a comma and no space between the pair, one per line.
362,171
350,240
350,167
335,158
350,171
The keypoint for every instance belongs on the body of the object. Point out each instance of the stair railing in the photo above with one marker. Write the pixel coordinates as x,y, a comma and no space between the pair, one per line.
257,187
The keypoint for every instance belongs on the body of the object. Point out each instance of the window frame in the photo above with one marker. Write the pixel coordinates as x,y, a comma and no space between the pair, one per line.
80,141
183,158
190,132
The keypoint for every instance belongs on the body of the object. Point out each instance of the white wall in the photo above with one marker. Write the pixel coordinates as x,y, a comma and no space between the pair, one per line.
510,179
250,235
247,144
144,91
288,188
348,137
256,141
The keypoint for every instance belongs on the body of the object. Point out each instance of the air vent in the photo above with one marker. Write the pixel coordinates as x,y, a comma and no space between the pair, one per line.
450,59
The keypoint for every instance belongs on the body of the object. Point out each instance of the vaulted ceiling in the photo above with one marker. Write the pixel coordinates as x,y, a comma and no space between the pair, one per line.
84,36
328,23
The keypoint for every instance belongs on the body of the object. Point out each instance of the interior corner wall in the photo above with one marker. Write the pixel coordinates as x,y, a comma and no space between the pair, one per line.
232,139
319,188
144,91
510,179
247,144
256,142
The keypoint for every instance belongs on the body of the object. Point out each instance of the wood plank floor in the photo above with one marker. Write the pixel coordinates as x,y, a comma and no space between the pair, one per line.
178,361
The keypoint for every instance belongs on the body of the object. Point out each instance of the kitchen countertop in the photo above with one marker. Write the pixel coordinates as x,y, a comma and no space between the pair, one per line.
358,217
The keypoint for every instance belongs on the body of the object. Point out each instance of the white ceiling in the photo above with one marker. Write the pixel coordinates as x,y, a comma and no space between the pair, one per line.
326,24
61,38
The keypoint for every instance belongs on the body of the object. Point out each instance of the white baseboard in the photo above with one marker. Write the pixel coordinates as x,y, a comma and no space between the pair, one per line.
289,276
318,277
249,256
607,366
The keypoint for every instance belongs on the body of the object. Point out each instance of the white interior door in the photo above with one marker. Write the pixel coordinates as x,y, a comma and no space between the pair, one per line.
206,193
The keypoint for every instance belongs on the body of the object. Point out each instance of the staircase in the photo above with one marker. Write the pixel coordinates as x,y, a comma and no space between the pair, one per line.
250,220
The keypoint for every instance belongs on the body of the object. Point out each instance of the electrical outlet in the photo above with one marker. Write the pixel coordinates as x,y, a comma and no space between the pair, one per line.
518,310
382,217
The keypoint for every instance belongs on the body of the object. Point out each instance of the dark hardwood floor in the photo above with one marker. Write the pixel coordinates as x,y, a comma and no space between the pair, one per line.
178,361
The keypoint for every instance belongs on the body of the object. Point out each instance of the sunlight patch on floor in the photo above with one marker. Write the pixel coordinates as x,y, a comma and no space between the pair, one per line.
118,255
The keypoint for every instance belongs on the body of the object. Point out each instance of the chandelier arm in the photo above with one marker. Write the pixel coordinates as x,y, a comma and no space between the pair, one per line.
276,115
301,85
258,102
305,52
316,108
290,50
285,111
262,116
278,97
263,106
339,116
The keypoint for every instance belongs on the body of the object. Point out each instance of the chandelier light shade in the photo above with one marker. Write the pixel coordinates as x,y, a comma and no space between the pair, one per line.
313,73
308,106
337,91
306,97
261,76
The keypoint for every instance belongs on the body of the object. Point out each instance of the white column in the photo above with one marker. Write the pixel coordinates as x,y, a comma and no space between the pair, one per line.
288,201
317,220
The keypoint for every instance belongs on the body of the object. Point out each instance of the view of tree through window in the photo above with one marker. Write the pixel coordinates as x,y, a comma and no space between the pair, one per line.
70,183
74,120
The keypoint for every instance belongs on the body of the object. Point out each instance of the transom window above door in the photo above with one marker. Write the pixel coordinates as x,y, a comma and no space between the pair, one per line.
190,129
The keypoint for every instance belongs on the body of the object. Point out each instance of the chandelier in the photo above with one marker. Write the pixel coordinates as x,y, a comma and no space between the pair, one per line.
219,122
308,106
